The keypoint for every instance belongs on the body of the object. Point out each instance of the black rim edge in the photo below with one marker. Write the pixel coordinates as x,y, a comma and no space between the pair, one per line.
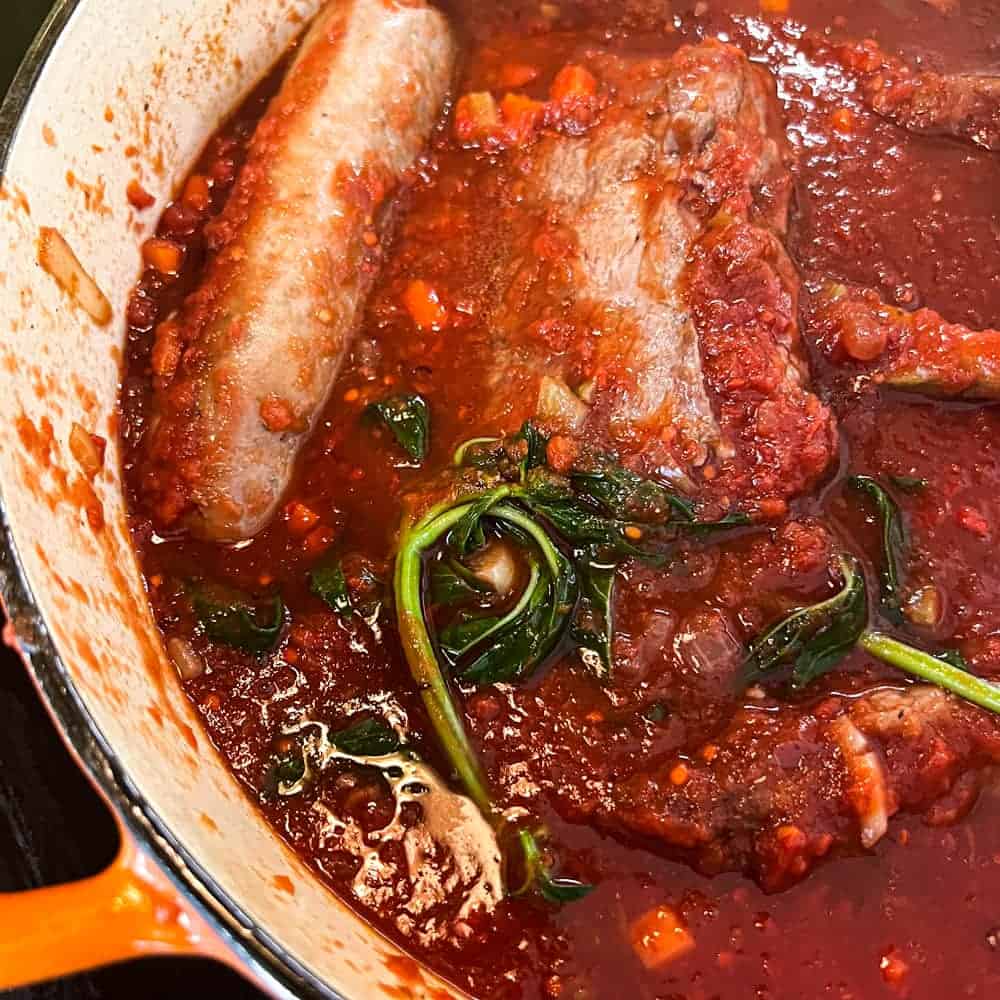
268,960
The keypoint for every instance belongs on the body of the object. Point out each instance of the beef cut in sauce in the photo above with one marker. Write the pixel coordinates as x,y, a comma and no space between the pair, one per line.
243,371
643,259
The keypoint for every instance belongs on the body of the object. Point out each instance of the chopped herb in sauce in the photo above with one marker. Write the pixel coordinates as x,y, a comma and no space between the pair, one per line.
239,624
408,417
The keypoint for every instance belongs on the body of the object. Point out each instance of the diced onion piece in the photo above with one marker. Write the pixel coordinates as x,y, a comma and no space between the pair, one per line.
476,116
56,256
188,663
495,566
868,793
559,408
660,936
88,450
923,607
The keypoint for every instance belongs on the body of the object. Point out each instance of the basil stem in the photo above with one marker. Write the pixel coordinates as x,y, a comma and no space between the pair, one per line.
932,668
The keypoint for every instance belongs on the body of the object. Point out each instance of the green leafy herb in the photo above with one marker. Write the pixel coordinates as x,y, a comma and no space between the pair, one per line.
893,543
552,497
238,624
285,773
469,629
408,417
815,638
537,444
452,583
592,626
481,452
467,534
526,636
954,657
655,712
620,492
553,888
329,584
368,738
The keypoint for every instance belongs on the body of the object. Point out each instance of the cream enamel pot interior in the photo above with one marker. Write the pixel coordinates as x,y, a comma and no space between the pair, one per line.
114,90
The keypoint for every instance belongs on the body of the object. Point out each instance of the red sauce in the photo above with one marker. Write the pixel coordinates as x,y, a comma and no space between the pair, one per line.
911,216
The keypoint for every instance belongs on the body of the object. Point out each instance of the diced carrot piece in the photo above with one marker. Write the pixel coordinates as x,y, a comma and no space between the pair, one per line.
679,774
318,540
476,116
197,193
424,305
301,519
163,255
573,81
138,197
774,6
659,936
519,110
517,74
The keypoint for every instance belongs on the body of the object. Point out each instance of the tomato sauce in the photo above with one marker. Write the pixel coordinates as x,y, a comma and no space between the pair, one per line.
915,218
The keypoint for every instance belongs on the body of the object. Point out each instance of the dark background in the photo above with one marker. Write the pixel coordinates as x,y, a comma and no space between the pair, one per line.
53,827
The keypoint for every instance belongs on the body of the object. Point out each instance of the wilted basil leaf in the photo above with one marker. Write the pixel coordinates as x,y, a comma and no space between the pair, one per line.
329,584
592,626
408,417
893,544
452,583
815,638
238,625
909,484
368,738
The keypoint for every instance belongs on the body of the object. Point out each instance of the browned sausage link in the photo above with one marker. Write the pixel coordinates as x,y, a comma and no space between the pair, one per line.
256,348
964,106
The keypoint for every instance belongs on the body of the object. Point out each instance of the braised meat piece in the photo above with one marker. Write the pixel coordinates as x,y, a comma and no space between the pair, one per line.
964,106
641,293
914,351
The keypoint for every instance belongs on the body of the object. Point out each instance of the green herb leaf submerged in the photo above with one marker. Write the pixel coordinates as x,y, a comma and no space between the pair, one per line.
408,417
452,583
368,738
815,638
893,544
553,888
329,584
909,484
592,627
238,624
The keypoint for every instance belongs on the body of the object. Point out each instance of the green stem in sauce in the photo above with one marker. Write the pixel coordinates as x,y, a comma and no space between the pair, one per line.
932,668
416,540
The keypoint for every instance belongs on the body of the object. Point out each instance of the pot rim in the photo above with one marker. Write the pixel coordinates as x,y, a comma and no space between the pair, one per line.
262,956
